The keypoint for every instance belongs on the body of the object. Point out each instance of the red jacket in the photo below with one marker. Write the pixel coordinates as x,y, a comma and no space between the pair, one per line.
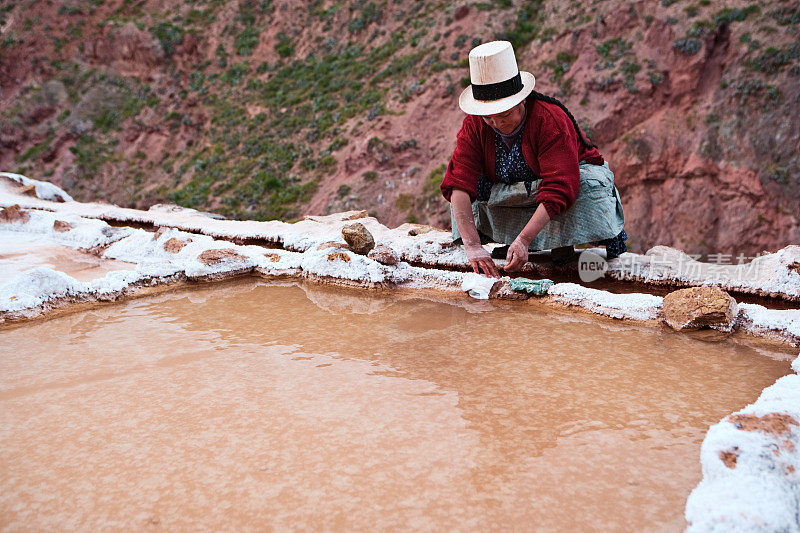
550,146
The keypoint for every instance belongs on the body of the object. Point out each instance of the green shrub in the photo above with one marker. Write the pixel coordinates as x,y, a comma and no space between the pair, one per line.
399,67
435,178
168,35
787,16
222,56
235,74
525,27
246,42
728,15
90,155
688,46
629,70
655,76
328,162
337,143
560,66
613,49
284,46
107,120
773,60
404,201
34,151
747,88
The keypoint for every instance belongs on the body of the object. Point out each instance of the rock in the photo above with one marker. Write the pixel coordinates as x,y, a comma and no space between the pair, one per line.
174,245
772,423
28,190
421,229
335,256
273,257
358,238
729,457
61,226
130,50
384,255
356,215
331,244
55,93
461,12
697,307
159,232
14,213
37,113
503,291
795,267
212,257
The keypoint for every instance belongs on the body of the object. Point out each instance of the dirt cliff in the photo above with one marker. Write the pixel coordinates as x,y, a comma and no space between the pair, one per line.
264,109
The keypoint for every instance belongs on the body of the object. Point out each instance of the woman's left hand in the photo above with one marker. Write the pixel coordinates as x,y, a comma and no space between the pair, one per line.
517,255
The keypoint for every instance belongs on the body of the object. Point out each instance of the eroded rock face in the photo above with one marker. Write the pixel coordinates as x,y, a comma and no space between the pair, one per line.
212,257
384,255
61,226
14,213
130,50
697,307
358,238
174,245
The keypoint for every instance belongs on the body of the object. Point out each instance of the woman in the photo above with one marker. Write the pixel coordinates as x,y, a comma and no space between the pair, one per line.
523,173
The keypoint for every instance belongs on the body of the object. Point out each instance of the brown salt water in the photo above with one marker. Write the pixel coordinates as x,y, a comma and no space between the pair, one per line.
243,406
28,251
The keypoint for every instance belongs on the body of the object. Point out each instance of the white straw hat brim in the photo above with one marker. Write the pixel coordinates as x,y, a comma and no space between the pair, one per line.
471,106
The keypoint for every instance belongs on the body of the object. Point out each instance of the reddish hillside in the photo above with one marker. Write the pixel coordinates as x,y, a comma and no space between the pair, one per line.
263,109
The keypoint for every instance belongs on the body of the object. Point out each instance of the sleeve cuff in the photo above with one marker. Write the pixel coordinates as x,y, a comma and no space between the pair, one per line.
551,208
447,192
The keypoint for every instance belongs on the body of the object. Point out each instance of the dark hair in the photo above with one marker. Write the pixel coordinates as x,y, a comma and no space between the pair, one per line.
551,100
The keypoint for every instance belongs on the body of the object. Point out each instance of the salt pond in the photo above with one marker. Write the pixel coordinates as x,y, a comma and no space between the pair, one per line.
244,405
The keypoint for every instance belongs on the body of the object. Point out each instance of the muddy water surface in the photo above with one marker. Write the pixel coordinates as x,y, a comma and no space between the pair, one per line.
19,252
246,406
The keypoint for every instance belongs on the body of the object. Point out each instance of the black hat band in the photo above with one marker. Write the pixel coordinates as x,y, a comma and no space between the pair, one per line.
497,91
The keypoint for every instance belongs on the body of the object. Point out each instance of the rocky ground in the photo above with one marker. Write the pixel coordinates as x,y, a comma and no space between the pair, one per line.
273,109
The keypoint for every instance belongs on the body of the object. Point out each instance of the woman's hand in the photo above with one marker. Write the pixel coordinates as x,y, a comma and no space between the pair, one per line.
518,250
481,261
517,255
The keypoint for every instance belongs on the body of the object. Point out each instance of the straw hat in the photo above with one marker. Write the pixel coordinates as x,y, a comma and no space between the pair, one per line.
497,83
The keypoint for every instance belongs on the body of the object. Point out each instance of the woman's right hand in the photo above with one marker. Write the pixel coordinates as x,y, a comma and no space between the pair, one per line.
481,261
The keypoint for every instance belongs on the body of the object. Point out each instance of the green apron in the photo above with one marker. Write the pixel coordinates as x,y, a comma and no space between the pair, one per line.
596,214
